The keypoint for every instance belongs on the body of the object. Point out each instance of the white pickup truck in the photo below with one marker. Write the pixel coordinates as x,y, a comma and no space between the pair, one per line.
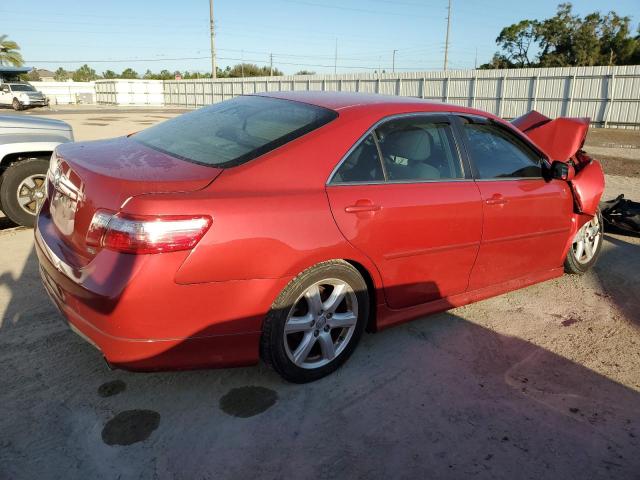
26,144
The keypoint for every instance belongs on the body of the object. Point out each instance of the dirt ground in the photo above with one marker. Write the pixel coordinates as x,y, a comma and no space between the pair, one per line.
617,149
539,383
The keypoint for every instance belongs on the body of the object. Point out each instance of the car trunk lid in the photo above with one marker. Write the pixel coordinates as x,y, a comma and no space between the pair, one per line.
86,177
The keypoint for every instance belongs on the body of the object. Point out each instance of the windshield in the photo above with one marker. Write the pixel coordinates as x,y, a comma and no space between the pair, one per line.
235,131
22,88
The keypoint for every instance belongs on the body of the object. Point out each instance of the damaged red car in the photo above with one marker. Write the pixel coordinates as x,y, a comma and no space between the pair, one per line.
284,225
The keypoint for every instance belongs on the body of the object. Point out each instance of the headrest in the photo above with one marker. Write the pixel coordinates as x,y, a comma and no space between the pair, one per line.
413,144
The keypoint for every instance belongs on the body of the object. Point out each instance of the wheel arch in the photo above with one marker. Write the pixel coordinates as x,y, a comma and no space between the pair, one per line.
371,280
12,157
372,324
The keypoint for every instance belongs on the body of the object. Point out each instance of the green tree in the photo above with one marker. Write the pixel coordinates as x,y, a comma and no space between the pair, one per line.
84,74
61,75
567,39
129,73
109,74
166,75
249,70
33,76
305,72
9,52
149,75
516,42
498,61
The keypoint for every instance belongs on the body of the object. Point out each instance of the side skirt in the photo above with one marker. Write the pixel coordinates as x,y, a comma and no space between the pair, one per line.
388,317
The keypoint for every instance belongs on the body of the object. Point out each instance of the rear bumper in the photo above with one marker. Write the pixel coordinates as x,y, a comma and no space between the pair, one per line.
155,324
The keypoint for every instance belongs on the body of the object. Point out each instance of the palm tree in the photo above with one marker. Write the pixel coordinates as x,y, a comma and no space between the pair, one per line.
9,54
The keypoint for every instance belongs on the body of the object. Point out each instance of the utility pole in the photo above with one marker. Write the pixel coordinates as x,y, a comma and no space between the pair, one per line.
213,41
335,59
393,62
446,42
271,64
475,63
242,62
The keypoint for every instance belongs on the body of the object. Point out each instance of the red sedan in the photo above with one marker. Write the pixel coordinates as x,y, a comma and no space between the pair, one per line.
283,225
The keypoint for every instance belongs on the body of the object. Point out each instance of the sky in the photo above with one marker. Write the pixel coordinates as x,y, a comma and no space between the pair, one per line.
301,34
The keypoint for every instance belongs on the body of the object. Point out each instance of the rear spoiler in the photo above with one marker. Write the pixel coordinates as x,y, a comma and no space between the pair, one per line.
561,138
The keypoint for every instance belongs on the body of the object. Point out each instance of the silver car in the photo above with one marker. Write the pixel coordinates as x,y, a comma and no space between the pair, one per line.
20,95
26,144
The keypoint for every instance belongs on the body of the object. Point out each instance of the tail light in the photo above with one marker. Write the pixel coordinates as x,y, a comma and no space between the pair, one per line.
141,234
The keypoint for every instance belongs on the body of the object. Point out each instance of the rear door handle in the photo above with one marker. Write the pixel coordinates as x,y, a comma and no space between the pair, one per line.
497,199
362,206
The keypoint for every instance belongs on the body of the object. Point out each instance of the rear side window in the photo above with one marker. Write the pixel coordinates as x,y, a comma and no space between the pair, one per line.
403,150
498,154
235,131
362,164
416,148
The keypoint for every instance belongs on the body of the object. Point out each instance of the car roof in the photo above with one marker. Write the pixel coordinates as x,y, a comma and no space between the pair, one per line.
373,103
342,100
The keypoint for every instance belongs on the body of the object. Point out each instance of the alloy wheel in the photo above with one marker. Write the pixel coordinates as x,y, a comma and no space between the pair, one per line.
321,323
586,241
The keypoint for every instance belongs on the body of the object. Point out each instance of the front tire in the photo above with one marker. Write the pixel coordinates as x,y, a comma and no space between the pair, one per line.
586,246
22,190
16,104
316,322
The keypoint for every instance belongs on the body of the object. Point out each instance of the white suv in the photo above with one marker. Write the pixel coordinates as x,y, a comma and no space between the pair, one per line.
20,94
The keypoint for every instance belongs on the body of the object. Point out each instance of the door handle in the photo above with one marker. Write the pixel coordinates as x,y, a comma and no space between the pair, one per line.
362,206
497,199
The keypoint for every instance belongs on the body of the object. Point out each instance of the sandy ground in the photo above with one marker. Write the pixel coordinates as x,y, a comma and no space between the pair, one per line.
539,383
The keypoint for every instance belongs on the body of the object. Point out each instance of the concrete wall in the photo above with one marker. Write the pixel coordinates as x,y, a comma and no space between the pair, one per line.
129,92
64,93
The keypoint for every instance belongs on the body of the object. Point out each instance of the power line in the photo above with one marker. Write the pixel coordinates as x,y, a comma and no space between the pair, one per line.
135,60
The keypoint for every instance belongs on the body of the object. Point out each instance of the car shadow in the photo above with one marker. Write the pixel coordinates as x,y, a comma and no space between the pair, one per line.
440,397
621,281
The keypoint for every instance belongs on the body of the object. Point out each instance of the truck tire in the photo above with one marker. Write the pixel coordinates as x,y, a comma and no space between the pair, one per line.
22,190
16,104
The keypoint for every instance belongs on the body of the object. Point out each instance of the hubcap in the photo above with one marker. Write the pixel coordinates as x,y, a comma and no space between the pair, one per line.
586,241
321,323
31,193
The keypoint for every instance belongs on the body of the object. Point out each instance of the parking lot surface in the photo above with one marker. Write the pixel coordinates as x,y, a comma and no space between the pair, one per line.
539,383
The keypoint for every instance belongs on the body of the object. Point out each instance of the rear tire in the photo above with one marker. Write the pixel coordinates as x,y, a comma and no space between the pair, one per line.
324,311
16,104
22,190
585,248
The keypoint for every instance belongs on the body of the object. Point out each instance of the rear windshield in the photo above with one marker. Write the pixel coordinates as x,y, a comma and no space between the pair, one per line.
235,131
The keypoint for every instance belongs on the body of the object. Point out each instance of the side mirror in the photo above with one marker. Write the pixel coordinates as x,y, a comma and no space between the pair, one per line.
562,171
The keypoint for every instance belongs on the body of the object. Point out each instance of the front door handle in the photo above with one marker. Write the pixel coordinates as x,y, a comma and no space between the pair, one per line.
497,199
362,206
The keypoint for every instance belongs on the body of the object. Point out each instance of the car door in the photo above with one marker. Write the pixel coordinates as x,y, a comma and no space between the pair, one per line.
401,196
526,218
5,95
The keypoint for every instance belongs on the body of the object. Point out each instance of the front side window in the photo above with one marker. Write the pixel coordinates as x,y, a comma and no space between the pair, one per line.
497,153
235,131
